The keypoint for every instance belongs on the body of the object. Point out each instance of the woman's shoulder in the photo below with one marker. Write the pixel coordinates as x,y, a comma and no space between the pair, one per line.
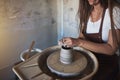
116,16
116,9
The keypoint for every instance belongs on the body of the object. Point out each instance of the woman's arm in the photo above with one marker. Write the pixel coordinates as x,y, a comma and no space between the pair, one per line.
108,48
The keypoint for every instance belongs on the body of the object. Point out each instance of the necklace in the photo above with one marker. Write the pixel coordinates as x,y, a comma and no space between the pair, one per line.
96,15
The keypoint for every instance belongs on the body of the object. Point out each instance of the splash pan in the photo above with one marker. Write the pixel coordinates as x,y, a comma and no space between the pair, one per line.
87,70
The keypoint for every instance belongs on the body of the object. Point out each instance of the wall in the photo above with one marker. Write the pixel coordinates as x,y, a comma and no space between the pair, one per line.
69,19
22,21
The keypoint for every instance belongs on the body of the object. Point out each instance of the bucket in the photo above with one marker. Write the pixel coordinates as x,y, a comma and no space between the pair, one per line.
24,54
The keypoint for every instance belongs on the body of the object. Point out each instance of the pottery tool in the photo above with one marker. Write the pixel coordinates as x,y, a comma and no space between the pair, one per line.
31,47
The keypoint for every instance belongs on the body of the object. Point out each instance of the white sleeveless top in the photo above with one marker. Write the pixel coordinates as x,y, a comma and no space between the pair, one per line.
93,27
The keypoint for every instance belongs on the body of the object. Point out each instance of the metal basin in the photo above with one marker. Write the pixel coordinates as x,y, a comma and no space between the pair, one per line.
26,52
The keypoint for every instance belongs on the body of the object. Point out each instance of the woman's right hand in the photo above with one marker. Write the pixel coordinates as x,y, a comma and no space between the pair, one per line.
69,42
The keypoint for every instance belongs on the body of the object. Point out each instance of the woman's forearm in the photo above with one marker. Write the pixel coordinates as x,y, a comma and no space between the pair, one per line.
103,48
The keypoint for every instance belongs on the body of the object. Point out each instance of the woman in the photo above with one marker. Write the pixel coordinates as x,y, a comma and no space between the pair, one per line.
100,33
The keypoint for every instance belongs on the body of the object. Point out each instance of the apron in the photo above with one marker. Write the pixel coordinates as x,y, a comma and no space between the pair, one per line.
108,65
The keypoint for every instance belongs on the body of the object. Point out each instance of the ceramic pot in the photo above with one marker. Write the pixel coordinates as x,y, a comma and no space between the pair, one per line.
66,55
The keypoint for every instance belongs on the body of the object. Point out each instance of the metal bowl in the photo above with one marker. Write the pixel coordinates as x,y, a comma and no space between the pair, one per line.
26,52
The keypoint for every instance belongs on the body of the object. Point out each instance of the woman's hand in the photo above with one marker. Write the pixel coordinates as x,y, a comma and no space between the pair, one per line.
69,42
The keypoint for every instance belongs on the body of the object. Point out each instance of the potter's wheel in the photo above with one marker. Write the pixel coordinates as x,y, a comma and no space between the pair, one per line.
73,69
86,63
